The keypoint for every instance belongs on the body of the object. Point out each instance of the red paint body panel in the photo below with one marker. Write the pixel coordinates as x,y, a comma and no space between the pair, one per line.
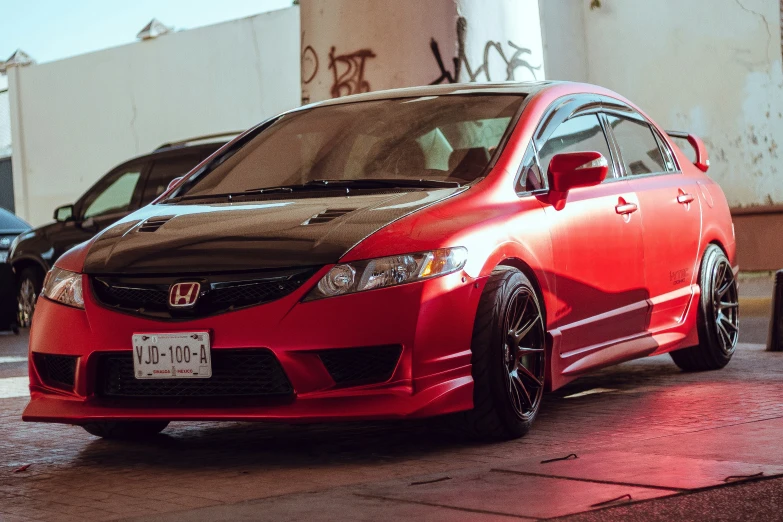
615,286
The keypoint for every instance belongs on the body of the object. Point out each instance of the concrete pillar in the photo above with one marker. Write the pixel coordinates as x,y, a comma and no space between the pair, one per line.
352,46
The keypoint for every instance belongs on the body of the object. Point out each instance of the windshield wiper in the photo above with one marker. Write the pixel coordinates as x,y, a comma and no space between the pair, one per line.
325,184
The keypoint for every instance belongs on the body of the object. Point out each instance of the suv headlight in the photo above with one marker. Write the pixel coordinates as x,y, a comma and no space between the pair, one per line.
358,276
64,287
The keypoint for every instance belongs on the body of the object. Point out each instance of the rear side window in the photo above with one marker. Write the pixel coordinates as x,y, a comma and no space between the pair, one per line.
579,134
638,146
163,171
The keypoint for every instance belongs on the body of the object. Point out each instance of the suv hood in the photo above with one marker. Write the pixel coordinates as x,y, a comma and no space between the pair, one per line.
225,237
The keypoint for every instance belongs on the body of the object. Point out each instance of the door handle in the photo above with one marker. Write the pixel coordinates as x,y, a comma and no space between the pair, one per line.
684,198
626,208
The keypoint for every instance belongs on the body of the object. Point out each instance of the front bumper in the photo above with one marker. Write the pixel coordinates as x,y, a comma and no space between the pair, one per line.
431,320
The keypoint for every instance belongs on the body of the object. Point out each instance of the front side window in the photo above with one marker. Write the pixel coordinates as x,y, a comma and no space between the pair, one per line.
438,138
115,195
530,177
638,146
578,134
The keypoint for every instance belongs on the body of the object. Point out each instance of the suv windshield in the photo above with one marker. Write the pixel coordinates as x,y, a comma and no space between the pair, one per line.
434,138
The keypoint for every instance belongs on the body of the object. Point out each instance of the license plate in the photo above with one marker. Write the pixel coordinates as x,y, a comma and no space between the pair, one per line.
182,355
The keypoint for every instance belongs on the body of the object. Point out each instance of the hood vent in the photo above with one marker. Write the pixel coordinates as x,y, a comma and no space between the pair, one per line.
328,215
154,223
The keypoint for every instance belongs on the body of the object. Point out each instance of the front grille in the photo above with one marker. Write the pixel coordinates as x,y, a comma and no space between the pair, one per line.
354,366
58,371
252,372
149,296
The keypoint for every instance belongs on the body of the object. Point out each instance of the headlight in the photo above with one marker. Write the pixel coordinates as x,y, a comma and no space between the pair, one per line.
382,272
64,287
3,256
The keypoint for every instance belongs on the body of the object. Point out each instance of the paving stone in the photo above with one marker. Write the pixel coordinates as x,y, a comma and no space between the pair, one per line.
714,423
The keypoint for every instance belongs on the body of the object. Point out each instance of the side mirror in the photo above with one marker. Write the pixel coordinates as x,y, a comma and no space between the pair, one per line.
63,213
577,169
571,170
174,182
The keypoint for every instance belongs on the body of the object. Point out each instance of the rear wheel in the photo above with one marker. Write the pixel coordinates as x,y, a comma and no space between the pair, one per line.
28,289
125,429
718,320
508,358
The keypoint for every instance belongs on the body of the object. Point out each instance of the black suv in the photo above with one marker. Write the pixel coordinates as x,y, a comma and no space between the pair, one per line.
124,189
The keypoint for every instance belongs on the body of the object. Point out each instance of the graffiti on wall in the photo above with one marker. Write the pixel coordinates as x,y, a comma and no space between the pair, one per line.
348,72
513,61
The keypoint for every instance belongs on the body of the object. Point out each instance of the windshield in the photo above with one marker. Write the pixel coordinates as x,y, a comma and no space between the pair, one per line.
9,221
437,138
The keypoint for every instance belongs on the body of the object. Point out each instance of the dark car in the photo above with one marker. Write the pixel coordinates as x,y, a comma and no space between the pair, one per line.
10,227
124,189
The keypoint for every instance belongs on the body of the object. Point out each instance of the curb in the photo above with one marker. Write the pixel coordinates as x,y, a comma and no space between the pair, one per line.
755,306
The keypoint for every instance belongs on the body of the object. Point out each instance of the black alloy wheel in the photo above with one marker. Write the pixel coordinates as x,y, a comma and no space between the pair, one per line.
718,316
524,353
508,358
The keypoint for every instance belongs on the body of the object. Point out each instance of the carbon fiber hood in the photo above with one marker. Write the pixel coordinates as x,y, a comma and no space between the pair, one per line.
225,237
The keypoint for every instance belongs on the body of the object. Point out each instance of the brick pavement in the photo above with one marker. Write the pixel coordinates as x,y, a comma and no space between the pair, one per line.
362,471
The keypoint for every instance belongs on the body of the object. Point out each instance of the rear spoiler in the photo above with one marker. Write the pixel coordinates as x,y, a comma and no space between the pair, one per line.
702,157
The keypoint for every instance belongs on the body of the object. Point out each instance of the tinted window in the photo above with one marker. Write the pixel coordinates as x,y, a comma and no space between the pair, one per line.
530,177
579,134
444,138
114,195
163,171
638,146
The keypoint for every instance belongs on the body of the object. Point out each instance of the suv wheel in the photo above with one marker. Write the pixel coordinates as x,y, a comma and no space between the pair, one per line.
27,290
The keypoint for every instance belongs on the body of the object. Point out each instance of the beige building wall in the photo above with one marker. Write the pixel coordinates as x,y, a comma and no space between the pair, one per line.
712,67
75,119
351,46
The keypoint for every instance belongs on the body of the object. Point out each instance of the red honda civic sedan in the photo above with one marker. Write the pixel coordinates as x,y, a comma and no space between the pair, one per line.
450,249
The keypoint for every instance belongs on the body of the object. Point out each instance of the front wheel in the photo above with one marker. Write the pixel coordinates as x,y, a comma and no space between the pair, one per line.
28,289
718,320
128,430
508,358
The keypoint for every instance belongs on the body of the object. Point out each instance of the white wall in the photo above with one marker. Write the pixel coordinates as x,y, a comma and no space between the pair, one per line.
383,44
712,67
75,119
5,118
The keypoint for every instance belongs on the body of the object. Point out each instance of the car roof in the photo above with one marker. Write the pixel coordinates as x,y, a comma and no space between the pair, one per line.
526,88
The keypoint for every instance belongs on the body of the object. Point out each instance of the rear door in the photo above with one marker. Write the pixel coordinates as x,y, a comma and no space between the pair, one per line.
671,215
597,250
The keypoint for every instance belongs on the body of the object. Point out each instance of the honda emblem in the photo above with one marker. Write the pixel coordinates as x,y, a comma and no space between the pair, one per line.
184,295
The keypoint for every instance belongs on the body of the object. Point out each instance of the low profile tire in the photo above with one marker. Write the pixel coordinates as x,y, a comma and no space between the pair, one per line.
508,358
28,288
128,430
718,320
